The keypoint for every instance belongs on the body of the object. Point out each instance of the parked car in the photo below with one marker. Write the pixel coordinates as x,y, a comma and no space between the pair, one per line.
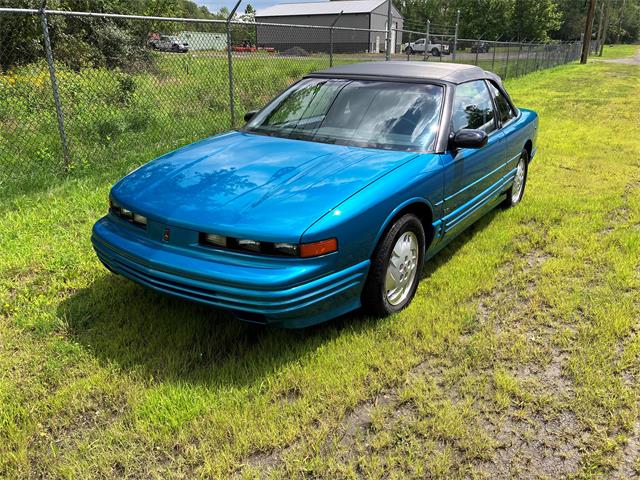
480,47
435,49
330,198
169,44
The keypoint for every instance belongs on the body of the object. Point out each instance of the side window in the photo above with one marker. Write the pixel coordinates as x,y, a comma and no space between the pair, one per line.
505,112
472,107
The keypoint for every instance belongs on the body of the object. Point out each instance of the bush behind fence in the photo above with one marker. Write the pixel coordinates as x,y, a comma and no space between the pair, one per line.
132,89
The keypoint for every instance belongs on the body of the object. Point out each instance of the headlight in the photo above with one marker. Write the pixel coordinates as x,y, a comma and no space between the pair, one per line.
252,245
139,219
302,250
287,248
126,214
214,239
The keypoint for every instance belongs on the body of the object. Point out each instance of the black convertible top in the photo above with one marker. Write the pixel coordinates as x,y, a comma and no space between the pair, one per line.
447,72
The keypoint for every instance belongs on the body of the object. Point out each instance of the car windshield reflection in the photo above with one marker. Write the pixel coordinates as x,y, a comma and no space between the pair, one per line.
372,114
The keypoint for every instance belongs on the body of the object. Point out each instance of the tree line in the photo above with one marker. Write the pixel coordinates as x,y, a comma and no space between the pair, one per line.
97,42
530,20
80,42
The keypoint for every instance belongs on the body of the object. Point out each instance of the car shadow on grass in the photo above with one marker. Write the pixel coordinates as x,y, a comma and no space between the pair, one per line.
163,338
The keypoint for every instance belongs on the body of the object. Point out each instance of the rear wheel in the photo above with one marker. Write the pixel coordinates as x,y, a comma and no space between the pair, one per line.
516,192
408,51
396,267
435,52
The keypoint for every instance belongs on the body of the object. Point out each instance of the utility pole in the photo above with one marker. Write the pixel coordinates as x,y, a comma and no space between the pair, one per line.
624,4
586,41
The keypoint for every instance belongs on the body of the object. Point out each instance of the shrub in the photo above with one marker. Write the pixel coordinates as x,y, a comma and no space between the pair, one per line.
119,48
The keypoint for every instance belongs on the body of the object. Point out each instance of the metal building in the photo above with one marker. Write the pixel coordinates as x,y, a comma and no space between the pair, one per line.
203,40
365,14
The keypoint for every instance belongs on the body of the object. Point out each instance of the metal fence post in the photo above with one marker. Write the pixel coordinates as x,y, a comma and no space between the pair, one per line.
232,106
518,59
477,49
426,40
54,84
493,60
455,38
408,52
331,38
506,63
388,52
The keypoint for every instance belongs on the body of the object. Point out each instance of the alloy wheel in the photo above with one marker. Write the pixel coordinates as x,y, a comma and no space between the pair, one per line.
518,181
402,268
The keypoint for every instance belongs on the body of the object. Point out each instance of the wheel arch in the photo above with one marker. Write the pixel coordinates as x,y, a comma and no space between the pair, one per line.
417,206
528,146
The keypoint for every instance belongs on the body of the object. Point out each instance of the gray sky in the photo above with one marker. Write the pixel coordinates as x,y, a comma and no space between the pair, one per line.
215,5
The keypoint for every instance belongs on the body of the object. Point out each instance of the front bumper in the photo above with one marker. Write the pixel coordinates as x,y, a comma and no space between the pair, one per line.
290,293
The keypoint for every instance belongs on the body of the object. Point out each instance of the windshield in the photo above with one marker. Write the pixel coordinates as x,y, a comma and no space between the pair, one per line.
388,115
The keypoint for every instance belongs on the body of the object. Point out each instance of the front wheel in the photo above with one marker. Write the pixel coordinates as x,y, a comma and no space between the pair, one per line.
516,192
396,267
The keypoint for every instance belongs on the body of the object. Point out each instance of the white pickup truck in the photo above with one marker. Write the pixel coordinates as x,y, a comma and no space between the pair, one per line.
435,49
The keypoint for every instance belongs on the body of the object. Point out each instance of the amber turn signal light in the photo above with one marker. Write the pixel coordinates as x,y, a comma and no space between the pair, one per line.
316,249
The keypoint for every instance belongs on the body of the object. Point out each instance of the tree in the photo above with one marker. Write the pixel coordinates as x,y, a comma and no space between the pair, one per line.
627,30
485,18
534,19
572,21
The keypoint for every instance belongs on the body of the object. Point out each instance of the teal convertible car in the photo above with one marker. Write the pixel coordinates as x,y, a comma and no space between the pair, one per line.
329,199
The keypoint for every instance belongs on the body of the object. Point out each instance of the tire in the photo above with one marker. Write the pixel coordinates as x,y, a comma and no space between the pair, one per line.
377,297
516,191
435,52
408,51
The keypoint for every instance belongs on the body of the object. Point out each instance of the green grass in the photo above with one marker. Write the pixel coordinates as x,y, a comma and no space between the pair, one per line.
619,51
518,356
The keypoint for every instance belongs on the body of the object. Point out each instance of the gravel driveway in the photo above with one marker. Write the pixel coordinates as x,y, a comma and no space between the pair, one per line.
629,61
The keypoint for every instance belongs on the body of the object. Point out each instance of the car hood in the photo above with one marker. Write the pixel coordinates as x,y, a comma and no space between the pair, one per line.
246,184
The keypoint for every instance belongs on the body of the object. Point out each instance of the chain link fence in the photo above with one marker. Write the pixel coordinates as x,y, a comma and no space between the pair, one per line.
139,86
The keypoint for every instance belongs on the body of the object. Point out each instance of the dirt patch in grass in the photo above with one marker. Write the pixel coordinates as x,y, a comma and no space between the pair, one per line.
521,429
629,464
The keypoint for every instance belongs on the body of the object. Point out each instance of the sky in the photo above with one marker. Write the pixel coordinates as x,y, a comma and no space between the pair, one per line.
215,5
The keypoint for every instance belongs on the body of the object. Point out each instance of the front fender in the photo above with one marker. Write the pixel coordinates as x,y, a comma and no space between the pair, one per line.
359,222
396,211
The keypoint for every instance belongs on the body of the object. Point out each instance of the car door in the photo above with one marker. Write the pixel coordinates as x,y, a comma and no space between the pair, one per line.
514,138
470,175
419,46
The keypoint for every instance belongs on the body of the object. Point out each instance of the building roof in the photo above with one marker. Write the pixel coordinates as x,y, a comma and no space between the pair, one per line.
320,8
448,72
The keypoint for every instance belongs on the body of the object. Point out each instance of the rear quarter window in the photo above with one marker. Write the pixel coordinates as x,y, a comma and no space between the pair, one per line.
505,111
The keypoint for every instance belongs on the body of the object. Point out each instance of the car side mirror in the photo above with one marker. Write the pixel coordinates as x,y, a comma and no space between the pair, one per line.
249,115
468,138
